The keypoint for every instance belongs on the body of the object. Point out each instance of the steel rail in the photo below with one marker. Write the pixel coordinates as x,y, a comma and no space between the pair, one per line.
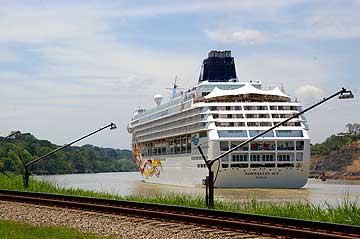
211,218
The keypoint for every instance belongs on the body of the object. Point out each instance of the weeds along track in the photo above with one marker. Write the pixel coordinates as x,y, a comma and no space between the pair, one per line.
214,219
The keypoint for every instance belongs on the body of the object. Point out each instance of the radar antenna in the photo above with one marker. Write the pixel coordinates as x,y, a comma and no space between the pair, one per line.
174,88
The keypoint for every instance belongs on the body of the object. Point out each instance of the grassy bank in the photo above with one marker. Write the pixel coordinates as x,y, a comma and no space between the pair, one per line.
14,230
346,212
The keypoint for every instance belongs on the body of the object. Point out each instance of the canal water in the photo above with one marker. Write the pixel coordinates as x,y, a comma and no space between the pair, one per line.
130,183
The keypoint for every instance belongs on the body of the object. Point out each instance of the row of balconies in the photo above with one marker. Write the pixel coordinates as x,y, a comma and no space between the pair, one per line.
251,116
253,107
255,124
170,118
171,132
264,145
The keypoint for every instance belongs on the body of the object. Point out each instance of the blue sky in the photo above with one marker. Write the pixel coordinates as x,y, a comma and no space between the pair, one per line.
70,67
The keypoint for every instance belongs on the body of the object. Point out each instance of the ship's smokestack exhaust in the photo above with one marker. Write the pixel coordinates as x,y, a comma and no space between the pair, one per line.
218,67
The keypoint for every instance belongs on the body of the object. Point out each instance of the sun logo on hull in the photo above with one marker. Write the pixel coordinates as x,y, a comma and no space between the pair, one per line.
148,168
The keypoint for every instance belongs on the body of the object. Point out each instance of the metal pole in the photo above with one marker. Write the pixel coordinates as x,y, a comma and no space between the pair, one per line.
10,135
211,189
26,177
3,171
67,145
209,163
27,172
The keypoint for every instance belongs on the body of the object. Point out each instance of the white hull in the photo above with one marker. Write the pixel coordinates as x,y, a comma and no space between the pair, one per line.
262,178
232,178
182,171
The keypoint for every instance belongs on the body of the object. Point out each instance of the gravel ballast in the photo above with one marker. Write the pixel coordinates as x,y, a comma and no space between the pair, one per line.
107,225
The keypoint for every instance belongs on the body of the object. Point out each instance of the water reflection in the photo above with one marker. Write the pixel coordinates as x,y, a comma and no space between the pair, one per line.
130,183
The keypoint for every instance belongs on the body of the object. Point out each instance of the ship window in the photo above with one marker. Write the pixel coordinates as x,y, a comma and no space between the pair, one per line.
261,107
262,165
239,116
251,116
239,158
252,124
213,108
269,145
224,145
289,133
177,145
268,157
237,107
215,116
243,148
256,146
285,145
249,108
224,165
229,116
232,133
253,133
273,107
202,134
262,116
299,145
240,124
275,116
188,144
171,145
299,156
225,158
264,124
228,108
285,157
255,157
285,165
183,144
239,165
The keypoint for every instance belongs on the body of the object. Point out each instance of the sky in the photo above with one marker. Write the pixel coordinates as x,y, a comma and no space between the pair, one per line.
68,68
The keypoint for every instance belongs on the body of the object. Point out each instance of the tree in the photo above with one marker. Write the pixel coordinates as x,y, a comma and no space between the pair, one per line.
353,129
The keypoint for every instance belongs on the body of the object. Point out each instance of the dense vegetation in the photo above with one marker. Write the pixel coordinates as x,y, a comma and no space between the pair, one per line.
346,212
336,142
14,230
86,159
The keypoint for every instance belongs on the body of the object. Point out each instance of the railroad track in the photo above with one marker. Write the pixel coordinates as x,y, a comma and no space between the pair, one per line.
222,220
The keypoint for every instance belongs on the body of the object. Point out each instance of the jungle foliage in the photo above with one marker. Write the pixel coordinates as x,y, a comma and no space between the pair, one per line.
73,159
335,142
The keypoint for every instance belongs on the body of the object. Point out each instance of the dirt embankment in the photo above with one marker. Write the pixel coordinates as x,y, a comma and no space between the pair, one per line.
339,164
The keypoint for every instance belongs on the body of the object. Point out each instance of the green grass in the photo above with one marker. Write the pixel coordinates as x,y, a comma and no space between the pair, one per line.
347,212
14,230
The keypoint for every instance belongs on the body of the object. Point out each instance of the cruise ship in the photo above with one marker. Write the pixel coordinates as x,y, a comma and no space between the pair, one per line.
218,113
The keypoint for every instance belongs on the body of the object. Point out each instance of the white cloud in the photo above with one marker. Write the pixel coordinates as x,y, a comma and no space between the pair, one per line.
289,70
42,24
309,93
193,6
246,36
7,55
333,20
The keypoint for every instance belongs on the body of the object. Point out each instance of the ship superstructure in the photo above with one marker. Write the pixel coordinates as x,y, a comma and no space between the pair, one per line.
219,113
